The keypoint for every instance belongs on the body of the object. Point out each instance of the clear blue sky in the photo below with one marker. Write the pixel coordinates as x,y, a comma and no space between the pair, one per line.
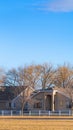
36,32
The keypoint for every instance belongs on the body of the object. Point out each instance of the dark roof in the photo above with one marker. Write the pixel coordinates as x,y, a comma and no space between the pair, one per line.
41,91
4,95
10,92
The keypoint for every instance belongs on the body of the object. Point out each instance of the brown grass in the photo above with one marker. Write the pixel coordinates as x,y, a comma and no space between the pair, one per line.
24,124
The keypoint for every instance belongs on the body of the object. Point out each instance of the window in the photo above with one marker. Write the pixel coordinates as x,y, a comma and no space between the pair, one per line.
68,104
14,105
9,104
38,105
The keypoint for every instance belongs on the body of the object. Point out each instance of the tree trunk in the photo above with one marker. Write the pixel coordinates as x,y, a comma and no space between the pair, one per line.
22,109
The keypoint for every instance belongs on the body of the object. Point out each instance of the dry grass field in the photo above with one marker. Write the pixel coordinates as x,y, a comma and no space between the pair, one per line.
35,124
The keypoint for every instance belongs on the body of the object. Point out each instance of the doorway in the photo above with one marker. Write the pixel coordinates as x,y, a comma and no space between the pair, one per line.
48,103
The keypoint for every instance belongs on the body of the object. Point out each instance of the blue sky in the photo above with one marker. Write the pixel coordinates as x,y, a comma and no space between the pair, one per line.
36,32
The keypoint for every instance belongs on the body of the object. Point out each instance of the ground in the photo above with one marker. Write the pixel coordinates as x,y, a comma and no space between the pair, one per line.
21,123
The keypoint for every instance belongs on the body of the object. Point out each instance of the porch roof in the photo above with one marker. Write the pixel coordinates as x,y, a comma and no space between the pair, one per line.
49,91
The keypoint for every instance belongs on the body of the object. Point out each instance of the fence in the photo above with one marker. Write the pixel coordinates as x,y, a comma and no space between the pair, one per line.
35,113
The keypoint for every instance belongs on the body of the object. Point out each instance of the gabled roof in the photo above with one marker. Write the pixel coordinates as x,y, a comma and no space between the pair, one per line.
10,92
22,92
6,94
50,90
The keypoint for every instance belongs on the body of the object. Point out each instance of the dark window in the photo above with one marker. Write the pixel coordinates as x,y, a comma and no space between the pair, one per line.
14,105
38,105
26,106
69,105
9,104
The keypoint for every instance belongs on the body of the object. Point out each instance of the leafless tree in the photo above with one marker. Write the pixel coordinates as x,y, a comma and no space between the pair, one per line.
12,78
47,75
2,76
64,79
32,75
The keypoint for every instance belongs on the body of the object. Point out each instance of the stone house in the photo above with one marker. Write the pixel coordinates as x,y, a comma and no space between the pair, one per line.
52,99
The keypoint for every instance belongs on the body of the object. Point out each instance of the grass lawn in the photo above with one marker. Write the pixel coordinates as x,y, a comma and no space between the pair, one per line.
34,124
